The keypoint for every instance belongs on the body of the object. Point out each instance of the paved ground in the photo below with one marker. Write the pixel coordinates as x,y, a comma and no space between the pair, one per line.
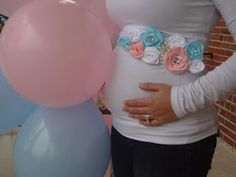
224,163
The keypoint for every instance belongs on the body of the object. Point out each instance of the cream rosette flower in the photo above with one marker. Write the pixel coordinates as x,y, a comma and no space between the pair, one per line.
197,66
176,60
176,40
133,33
151,55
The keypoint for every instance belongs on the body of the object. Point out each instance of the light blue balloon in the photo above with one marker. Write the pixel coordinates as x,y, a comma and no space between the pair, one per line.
68,142
14,109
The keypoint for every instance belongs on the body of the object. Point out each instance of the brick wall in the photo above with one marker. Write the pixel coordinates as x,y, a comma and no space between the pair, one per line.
220,47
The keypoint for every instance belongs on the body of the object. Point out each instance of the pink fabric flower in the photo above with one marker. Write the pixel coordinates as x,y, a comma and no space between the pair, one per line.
137,49
176,60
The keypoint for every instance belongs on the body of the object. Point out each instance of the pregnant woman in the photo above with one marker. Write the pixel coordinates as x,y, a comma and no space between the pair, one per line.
167,129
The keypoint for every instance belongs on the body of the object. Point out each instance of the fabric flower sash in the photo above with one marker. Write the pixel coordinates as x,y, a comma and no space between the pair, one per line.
154,47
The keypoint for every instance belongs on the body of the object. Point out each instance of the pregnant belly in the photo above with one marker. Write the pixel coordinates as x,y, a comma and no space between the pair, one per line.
129,72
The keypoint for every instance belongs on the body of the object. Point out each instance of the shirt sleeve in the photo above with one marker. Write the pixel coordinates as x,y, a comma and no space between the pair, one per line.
215,85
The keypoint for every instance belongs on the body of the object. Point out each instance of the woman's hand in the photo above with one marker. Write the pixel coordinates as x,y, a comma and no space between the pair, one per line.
153,110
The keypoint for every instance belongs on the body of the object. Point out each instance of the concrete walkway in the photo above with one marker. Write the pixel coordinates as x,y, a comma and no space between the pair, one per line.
224,163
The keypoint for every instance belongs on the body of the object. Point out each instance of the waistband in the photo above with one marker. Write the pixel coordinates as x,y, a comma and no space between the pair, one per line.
152,46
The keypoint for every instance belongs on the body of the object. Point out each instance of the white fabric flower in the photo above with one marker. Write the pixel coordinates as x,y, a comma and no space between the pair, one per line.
151,55
133,33
176,40
196,67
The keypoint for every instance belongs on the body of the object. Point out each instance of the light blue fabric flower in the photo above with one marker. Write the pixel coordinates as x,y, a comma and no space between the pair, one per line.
195,50
124,42
152,38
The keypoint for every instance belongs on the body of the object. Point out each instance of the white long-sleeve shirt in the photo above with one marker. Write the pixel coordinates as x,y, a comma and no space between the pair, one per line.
191,94
217,84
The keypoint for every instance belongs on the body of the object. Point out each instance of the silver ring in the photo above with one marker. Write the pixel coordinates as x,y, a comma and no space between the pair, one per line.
147,117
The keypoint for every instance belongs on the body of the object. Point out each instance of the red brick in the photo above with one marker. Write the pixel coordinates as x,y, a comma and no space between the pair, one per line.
211,49
222,128
228,38
228,53
232,108
215,57
229,141
206,58
222,111
214,37
214,43
221,120
233,46
221,23
212,63
221,103
227,105
230,98
221,135
225,129
225,31
234,98
216,30
225,45
218,108
230,116
227,133
231,126
216,50
232,136
220,58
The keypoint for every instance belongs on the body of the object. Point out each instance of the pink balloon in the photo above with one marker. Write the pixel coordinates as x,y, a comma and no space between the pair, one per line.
55,53
7,7
97,7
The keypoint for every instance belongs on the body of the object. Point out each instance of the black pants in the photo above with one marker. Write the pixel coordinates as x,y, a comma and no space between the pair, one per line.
133,158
